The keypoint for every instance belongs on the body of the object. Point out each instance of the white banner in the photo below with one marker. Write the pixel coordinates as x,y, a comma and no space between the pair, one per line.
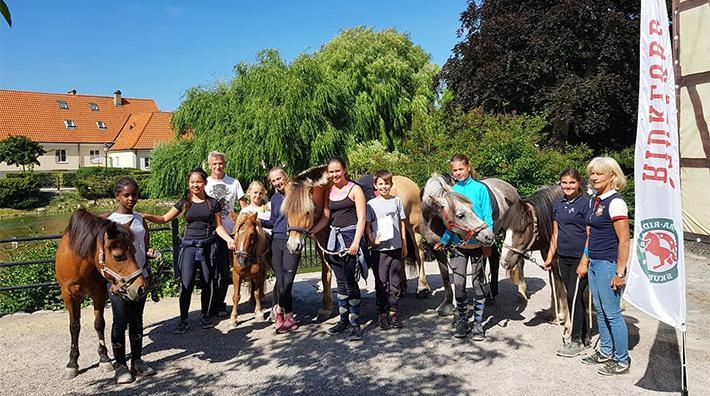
656,279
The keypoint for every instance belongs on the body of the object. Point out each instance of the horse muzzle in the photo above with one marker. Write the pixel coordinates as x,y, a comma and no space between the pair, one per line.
486,237
243,258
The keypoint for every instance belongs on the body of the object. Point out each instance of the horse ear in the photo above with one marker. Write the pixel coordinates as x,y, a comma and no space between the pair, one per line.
112,230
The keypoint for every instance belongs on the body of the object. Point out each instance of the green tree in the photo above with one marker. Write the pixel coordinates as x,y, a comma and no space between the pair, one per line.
20,151
362,86
5,11
575,62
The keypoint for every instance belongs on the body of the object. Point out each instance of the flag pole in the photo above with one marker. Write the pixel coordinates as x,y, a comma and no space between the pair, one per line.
684,364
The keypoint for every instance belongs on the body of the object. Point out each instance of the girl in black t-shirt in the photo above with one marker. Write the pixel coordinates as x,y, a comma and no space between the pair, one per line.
203,221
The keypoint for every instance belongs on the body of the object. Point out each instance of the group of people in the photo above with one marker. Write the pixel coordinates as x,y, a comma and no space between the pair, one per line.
590,240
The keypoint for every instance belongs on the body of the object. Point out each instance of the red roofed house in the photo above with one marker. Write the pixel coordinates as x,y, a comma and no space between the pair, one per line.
84,130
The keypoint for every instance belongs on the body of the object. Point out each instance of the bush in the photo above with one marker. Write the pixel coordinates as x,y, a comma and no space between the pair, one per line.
67,179
97,182
32,299
19,191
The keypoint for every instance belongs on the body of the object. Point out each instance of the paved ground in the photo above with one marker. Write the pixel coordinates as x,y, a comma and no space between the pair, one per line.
422,358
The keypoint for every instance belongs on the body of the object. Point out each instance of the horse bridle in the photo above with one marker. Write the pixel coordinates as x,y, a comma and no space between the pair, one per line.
308,234
123,282
451,223
525,253
250,258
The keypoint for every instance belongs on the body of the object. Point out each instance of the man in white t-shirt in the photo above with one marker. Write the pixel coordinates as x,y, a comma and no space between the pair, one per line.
227,190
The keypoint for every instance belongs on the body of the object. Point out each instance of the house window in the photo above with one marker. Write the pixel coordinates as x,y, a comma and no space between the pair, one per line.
62,104
95,157
101,124
70,123
93,106
146,162
61,156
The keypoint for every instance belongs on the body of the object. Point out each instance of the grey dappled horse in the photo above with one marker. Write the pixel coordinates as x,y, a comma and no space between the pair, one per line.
443,209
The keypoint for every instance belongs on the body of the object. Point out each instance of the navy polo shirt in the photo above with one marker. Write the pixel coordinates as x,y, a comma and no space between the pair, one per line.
571,218
603,242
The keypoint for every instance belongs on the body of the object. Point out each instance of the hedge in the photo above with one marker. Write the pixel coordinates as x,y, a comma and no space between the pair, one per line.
19,190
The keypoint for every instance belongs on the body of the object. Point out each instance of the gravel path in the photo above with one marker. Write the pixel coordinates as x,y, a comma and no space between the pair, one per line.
422,358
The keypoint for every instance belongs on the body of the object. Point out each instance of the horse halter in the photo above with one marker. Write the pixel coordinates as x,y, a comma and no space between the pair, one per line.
249,257
300,230
123,282
535,236
451,223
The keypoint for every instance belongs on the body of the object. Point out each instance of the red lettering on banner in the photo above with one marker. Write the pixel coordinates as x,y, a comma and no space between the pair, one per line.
654,27
656,96
657,72
655,49
655,115
659,139
662,156
652,173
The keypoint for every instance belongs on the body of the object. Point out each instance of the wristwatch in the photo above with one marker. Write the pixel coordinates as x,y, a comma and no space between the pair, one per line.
621,275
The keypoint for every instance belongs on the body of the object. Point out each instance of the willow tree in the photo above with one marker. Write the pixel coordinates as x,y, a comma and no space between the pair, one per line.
389,80
361,86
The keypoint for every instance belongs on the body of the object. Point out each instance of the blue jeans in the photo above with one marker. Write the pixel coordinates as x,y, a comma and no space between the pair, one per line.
613,333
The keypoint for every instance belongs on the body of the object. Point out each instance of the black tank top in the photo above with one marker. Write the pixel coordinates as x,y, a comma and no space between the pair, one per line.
343,212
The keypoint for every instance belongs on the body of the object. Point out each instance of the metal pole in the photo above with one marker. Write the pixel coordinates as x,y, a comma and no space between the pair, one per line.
684,365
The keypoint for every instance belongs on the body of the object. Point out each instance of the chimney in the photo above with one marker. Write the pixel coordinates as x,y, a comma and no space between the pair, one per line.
72,92
117,100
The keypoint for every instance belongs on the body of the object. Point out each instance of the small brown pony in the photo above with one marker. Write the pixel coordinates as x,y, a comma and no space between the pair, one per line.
249,261
91,252
303,206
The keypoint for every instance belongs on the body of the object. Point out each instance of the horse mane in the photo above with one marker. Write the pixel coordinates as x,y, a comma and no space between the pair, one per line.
436,186
313,176
298,199
85,229
516,217
242,218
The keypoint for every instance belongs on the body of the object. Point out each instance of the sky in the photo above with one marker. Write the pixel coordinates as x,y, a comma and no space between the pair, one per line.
159,49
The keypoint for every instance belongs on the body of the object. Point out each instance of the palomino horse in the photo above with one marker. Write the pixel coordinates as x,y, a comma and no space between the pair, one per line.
249,261
303,206
528,227
443,209
91,252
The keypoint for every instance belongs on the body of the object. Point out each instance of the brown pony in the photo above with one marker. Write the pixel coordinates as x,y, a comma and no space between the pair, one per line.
91,252
249,260
303,206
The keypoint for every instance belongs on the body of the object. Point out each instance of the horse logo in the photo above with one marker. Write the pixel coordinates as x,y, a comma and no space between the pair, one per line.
657,249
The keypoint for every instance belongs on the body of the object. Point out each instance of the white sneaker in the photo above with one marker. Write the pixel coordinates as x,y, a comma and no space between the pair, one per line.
122,375
139,367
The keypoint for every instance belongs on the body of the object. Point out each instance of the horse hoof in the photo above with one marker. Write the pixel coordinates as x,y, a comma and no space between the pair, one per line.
445,309
233,324
71,372
424,293
258,317
106,366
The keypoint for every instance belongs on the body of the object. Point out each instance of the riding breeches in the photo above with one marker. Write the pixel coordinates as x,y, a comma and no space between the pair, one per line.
348,292
126,315
188,272
285,266
568,272
458,262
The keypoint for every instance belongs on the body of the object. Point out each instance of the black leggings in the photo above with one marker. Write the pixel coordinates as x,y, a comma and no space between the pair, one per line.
568,272
188,272
388,269
126,315
285,266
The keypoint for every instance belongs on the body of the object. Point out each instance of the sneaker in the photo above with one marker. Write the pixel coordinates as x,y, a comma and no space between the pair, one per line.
383,321
139,367
288,325
614,368
122,375
455,321
596,358
338,328
462,329
205,322
181,327
395,321
478,334
571,349
278,320
355,333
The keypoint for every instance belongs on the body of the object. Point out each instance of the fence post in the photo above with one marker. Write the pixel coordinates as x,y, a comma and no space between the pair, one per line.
176,241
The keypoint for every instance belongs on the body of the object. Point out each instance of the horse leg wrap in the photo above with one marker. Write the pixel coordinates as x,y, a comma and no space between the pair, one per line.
343,307
462,308
355,311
